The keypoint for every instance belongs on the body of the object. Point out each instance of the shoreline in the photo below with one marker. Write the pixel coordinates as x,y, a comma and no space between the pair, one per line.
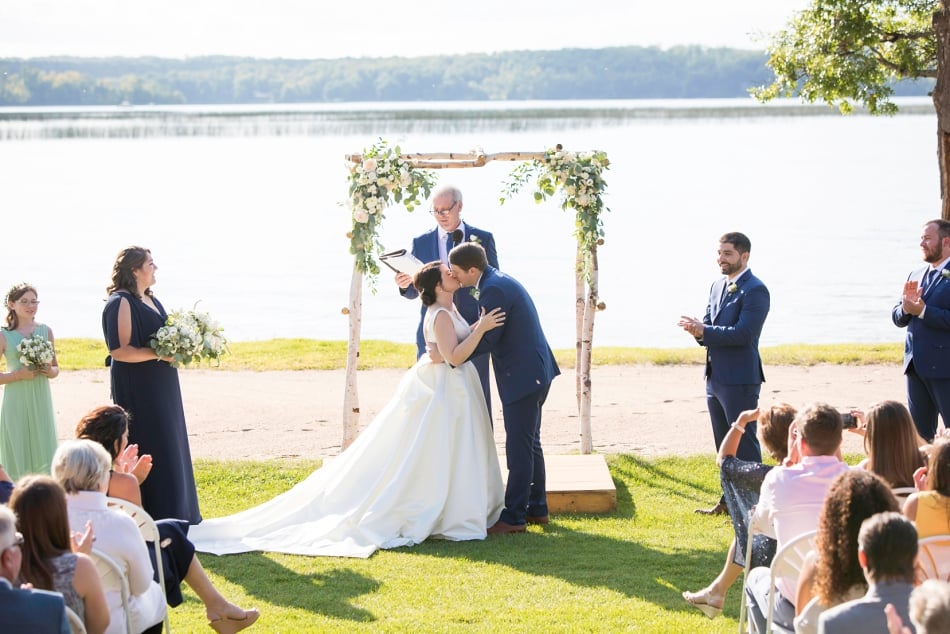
646,410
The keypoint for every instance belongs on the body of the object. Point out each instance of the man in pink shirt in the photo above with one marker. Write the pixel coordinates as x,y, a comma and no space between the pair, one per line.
790,501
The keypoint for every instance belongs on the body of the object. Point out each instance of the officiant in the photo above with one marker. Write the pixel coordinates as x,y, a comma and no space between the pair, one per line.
435,245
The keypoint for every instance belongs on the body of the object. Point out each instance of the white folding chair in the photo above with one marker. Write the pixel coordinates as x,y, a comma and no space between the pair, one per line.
76,626
149,532
787,563
933,558
901,493
745,573
113,576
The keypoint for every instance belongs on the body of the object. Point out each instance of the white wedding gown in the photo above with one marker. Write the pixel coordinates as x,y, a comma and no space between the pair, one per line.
426,466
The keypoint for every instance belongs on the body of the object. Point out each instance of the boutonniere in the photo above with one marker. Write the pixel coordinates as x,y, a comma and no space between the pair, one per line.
475,239
474,292
945,273
732,288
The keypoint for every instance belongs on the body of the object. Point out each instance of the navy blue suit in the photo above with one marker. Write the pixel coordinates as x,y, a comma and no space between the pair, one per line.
524,368
426,249
34,611
734,373
927,354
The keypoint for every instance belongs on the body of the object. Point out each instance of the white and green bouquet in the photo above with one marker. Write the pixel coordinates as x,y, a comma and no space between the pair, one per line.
189,336
35,352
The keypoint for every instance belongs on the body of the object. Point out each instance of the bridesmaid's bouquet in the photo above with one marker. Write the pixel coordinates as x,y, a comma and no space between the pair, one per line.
189,336
35,352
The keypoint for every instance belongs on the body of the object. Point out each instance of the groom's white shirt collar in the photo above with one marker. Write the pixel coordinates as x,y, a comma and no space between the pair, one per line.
478,282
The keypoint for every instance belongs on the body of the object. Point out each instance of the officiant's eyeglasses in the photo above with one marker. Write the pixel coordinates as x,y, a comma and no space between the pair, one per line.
443,212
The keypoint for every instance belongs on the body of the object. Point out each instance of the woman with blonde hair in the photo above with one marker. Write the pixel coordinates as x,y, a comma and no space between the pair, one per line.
82,468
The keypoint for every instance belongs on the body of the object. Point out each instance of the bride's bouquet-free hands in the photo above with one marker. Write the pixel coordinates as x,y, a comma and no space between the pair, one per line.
189,336
35,352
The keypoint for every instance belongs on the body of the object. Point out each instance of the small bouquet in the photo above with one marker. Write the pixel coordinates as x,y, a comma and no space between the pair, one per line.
189,336
35,352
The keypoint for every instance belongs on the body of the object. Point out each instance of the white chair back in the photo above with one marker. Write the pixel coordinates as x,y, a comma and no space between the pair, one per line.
787,563
114,578
149,531
933,558
901,493
76,626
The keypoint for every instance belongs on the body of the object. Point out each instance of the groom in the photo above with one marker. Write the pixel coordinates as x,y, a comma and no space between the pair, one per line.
524,368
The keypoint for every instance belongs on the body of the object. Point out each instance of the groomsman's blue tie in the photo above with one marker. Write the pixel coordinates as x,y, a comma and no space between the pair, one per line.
930,278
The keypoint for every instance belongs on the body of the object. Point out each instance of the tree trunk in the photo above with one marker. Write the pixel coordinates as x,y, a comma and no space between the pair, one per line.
579,300
587,345
941,98
351,399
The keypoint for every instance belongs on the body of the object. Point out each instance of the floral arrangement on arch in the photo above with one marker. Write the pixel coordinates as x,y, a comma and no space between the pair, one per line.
379,179
579,177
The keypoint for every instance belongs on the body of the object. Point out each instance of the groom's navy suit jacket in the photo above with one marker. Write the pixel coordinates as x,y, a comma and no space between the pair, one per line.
733,327
520,353
426,248
928,339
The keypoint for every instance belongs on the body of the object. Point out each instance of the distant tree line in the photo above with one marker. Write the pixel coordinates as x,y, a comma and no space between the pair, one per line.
608,73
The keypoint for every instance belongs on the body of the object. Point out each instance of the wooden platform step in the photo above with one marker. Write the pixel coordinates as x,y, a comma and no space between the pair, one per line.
576,484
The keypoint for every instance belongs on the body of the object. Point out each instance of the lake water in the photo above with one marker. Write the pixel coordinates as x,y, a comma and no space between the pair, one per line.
241,209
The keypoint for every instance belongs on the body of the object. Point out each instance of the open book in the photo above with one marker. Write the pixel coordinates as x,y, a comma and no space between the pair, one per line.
402,262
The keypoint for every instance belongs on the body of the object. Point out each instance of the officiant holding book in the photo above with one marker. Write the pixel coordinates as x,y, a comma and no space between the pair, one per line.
435,245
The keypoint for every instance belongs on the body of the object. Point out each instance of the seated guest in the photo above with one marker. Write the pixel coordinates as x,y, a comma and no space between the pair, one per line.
741,481
6,485
789,504
108,426
887,550
891,443
48,561
929,610
21,609
831,574
930,509
82,468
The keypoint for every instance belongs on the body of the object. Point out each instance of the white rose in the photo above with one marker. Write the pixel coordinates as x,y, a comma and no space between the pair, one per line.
582,200
405,178
360,216
369,165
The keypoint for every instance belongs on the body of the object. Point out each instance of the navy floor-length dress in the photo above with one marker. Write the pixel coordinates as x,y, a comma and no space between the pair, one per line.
150,392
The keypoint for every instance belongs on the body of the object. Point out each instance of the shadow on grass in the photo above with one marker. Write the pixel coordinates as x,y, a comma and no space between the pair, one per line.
268,579
633,551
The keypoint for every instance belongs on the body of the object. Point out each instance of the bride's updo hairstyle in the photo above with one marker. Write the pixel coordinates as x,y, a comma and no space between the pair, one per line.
426,279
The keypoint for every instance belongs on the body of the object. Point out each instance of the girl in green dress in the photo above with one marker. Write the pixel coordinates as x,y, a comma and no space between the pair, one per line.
27,424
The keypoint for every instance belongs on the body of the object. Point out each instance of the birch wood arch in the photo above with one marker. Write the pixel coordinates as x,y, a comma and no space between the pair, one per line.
382,175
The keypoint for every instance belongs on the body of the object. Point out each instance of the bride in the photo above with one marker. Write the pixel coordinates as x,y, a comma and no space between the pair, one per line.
425,466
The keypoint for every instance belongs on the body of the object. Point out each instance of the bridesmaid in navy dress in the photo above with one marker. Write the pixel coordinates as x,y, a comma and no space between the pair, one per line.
147,387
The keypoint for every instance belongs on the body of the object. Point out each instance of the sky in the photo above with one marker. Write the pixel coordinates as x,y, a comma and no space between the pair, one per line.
315,29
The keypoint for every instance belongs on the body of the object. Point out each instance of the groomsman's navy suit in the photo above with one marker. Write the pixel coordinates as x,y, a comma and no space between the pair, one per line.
524,368
927,353
426,249
734,374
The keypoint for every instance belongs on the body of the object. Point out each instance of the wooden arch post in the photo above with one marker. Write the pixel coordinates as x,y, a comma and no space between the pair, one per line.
364,246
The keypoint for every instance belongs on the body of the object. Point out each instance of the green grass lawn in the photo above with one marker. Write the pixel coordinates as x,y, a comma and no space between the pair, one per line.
623,571
311,354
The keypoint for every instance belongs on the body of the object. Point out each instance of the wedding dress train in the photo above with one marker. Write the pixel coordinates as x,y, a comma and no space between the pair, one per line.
426,466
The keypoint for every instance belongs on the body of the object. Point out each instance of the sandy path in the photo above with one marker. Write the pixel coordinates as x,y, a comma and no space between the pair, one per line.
649,410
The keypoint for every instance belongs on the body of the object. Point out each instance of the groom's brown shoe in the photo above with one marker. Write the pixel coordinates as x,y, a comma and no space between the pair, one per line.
537,519
502,528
